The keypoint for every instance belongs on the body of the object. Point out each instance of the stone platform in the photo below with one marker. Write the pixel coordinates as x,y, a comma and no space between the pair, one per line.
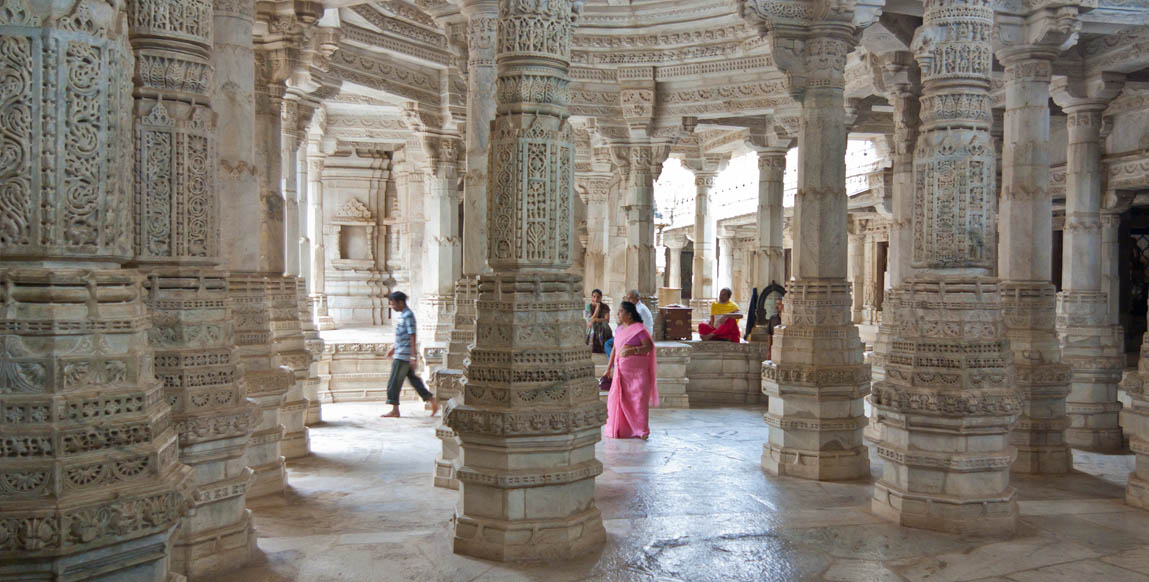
355,366
693,374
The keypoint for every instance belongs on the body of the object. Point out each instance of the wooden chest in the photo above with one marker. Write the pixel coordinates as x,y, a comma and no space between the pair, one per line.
677,322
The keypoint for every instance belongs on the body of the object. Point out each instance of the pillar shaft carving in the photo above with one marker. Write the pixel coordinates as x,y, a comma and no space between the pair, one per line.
902,79
531,400
1092,342
643,165
176,220
947,401
702,292
1024,266
770,264
817,378
243,174
482,35
90,480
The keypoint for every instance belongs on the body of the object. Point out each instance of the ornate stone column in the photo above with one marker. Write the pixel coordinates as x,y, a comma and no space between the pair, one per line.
442,260
92,484
1029,299
856,268
770,263
726,262
948,400
245,249
675,244
1093,342
645,166
530,415
482,28
817,379
703,293
176,222
317,288
902,79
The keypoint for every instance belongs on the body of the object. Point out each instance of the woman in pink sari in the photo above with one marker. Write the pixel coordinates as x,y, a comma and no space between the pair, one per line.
633,386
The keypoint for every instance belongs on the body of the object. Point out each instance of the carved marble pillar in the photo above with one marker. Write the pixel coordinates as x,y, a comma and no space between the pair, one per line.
770,265
902,78
290,139
275,50
674,269
317,288
1111,269
948,399
703,292
176,221
442,260
482,28
817,379
530,415
726,263
91,485
1093,343
645,165
871,293
856,269
1029,299
244,247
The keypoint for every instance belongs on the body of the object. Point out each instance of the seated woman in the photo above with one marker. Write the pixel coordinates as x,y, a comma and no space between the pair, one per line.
632,371
724,316
597,316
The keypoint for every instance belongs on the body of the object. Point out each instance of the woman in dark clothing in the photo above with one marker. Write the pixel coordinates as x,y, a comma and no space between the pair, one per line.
597,323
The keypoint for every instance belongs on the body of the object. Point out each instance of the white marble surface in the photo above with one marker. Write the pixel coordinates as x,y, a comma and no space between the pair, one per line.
692,503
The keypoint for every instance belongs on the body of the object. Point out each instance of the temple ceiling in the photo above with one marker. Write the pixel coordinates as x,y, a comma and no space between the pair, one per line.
681,59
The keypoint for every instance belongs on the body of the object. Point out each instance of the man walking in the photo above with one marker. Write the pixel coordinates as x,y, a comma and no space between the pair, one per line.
406,355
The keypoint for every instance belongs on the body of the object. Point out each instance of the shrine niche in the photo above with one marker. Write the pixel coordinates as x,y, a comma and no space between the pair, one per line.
355,289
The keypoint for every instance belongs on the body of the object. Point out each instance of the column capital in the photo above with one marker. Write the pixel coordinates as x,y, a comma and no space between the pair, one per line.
1092,93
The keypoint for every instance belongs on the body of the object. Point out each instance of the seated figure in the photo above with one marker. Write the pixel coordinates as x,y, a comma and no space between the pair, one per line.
724,316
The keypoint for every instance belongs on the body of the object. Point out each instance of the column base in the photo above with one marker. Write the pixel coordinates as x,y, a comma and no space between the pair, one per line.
218,551
1034,460
1108,440
295,445
144,559
994,516
268,479
874,431
529,540
1137,492
817,465
444,476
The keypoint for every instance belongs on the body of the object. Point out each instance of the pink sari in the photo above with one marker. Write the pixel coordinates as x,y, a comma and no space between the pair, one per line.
633,388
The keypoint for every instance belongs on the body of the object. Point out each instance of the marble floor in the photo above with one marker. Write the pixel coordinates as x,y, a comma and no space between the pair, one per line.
690,504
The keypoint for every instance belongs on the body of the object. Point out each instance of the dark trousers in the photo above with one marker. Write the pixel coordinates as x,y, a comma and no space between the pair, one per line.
400,370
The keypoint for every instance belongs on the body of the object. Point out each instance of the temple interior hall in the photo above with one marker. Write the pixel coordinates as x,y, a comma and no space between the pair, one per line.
924,222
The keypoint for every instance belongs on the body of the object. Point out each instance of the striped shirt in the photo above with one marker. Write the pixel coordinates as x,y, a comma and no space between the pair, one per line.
404,328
